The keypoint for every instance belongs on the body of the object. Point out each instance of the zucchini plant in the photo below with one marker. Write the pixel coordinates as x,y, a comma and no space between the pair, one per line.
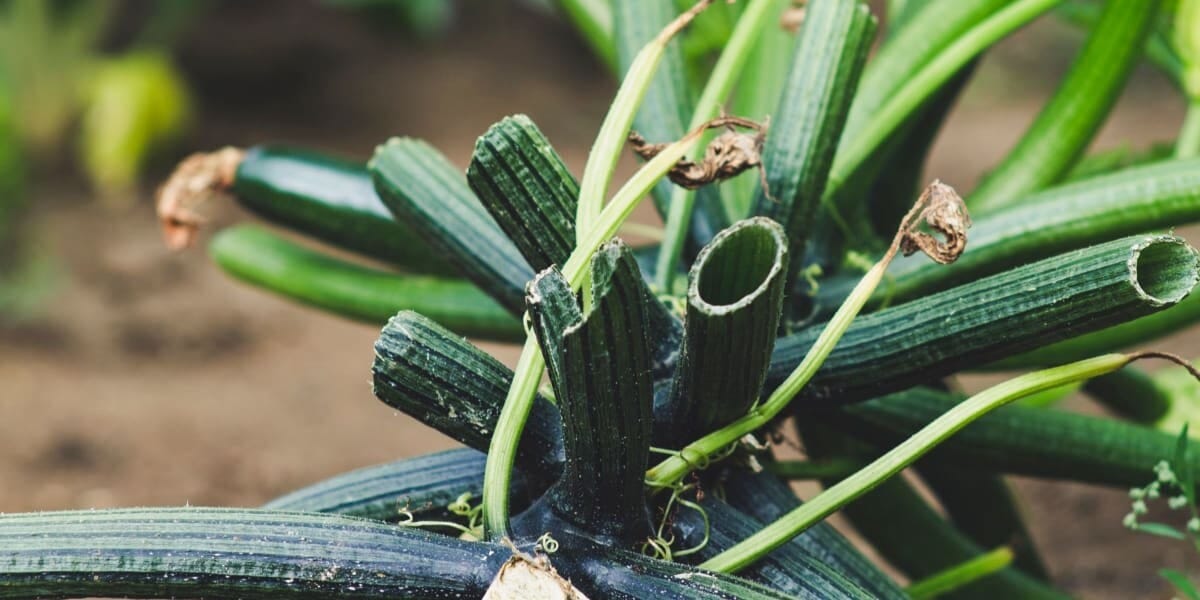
645,469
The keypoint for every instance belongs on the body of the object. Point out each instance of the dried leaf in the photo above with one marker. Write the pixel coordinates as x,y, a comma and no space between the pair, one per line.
197,179
943,210
729,155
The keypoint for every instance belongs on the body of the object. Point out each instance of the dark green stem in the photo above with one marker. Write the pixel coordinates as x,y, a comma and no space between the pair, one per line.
734,302
1020,309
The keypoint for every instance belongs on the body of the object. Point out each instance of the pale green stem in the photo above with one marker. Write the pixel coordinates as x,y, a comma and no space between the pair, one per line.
961,574
720,83
502,450
756,546
1188,144
606,150
856,150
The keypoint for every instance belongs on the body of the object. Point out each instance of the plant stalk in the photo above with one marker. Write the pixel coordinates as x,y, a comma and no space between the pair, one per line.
903,455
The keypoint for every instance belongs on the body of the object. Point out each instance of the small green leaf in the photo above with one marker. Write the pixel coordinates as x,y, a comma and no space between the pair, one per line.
1182,465
1181,583
1162,530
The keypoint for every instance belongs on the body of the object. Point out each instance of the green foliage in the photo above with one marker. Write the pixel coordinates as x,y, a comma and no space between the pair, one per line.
703,375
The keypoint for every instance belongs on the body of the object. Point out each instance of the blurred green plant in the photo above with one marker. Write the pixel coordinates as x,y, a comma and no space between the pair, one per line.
59,87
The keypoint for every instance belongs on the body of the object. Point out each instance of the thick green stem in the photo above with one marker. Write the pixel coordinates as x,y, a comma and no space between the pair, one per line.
675,468
1092,211
734,302
233,553
808,122
978,322
724,74
903,455
1067,124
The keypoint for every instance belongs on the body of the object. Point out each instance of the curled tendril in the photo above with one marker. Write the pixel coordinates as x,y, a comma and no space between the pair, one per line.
546,544
661,544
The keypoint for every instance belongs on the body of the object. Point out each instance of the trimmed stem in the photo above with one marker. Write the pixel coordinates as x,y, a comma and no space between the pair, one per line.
903,455
232,553
734,302
675,468
724,74
970,325
530,366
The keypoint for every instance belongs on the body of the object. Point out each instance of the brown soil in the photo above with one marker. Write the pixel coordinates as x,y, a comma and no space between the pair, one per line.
155,380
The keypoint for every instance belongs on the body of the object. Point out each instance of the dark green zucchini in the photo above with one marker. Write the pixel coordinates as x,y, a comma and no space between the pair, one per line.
422,485
262,258
332,200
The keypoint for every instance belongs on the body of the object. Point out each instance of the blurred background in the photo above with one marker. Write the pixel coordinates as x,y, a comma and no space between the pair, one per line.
130,375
